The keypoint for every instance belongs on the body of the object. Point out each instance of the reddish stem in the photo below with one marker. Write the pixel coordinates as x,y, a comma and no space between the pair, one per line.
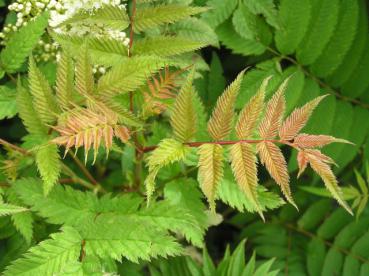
132,27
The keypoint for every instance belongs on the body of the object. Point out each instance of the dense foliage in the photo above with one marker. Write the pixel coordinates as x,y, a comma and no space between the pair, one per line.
134,141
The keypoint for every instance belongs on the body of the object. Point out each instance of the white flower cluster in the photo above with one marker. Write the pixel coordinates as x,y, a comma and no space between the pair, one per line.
71,7
61,10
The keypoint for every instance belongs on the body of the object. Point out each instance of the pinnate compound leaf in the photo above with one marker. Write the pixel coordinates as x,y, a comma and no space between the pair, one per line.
65,81
90,129
161,90
230,193
102,50
272,120
49,257
111,16
341,40
266,8
165,46
271,156
167,152
49,165
298,119
294,17
10,209
219,12
129,75
220,123
320,30
84,76
196,30
313,141
20,45
321,167
30,118
183,118
151,17
243,162
250,114
210,170
43,98
8,106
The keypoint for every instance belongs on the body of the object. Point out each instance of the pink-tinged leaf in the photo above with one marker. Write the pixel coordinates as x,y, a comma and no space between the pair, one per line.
271,156
316,141
302,162
220,123
329,180
122,133
320,156
275,108
250,114
210,170
298,119
243,163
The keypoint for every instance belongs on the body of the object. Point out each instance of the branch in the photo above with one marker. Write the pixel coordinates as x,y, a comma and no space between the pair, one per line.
131,32
14,147
94,186
83,169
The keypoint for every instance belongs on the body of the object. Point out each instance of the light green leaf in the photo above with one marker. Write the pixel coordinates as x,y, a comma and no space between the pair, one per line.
8,106
50,256
19,47
49,165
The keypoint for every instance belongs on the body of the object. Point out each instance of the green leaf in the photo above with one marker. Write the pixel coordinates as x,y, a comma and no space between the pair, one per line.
294,17
230,193
183,115
196,30
50,256
266,8
49,165
30,118
215,80
113,17
219,12
65,81
102,50
20,46
113,227
129,75
314,214
250,26
210,173
184,193
85,82
357,83
8,106
147,18
353,56
321,28
43,99
23,221
9,209
233,41
167,152
358,130
165,46
343,36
